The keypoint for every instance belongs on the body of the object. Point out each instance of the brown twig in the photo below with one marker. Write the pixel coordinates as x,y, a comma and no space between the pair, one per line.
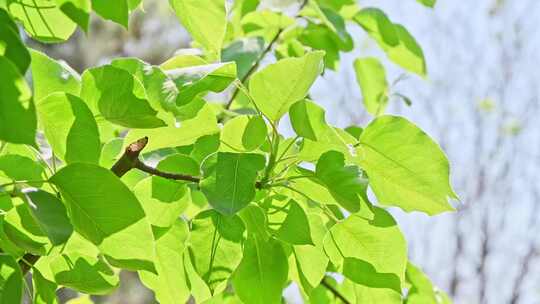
27,262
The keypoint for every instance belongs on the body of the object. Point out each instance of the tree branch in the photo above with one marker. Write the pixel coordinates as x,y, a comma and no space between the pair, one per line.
334,291
261,57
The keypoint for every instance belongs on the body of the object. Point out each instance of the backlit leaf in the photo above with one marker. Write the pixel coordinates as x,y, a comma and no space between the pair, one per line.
371,78
11,280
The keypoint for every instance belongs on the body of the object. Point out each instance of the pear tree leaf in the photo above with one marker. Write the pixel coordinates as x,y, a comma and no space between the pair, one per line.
42,20
243,134
244,52
215,247
428,3
117,11
44,290
170,285
104,211
205,20
311,262
422,290
197,80
119,97
77,10
375,246
50,76
70,128
84,273
276,87
11,280
345,183
12,46
18,120
265,23
51,215
229,185
371,78
405,167
308,119
264,264
185,133
288,220
17,167
399,45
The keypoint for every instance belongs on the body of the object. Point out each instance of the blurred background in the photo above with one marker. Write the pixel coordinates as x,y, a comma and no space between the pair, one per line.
480,102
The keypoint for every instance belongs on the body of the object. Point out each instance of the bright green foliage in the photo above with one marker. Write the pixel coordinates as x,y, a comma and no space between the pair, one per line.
308,119
405,167
118,11
17,110
52,76
276,87
124,104
428,3
11,283
170,283
371,77
244,133
51,215
12,46
179,171
215,247
394,39
196,80
105,211
262,273
345,183
372,253
77,10
44,290
42,19
229,184
70,128
205,20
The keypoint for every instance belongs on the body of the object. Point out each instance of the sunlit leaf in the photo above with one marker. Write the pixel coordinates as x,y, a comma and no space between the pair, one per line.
371,78
116,11
406,168
11,280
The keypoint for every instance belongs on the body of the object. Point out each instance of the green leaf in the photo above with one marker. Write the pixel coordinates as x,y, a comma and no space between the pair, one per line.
51,215
50,76
17,112
116,11
279,85
394,39
375,246
230,184
345,183
110,152
244,52
70,128
311,263
421,291
308,119
42,20
255,220
215,247
119,97
288,220
265,23
186,134
243,134
107,213
44,290
11,280
428,3
406,168
84,273
262,273
198,80
24,231
371,78
77,10
17,167
170,283
12,46
205,20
